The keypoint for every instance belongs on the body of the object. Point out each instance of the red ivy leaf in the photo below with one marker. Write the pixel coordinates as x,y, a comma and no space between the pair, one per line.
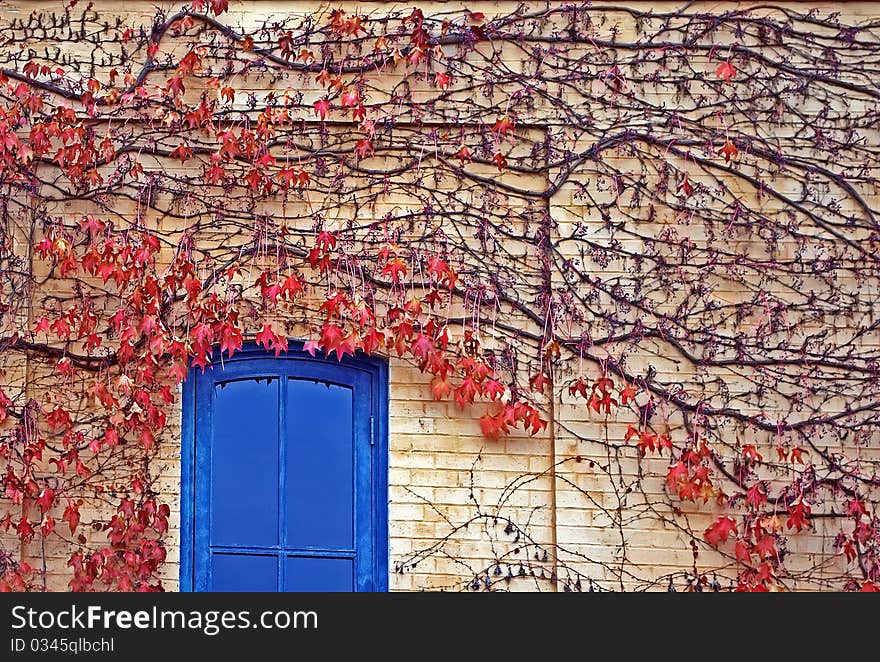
364,148
396,268
751,453
539,382
231,339
311,346
676,474
742,552
463,154
766,547
627,394
440,387
720,531
500,161
755,495
504,125
728,150
442,80
797,516
493,389
493,426
725,71
46,499
322,108
71,516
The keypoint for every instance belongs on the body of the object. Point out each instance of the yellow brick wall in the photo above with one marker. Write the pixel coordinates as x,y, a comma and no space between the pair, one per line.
459,504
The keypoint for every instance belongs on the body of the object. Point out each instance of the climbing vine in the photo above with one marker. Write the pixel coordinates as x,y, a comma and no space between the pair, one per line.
665,221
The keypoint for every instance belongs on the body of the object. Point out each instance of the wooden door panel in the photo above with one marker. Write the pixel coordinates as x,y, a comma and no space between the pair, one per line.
283,484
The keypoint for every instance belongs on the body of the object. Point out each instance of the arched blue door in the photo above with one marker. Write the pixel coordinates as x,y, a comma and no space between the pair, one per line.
284,475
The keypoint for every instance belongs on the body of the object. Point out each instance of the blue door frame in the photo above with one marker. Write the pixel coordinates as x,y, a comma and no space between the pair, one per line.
211,547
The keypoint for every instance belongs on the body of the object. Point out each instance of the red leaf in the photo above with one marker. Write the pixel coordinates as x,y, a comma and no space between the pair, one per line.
500,161
111,437
440,387
326,240
493,389
265,336
182,152
685,187
631,431
215,174
504,125
728,150
46,499
533,421
25,530
231,339
466,392
61,327
333,339
539,382
372,340
663,442
58,418
579,387
720,531
863,532
310,346
71,516
364,148
627,394
766,547
463,154
741,549
797,455
493,426
726,71
755,495
797,516
350,97
765,572
422,346
442,80
751,453
441,270
254,179
5,403
322,108
348,345
676,474
855,507
147,439
175,86
395,268
42,325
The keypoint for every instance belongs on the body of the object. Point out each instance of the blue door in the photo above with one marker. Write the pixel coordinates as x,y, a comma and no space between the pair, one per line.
284,475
